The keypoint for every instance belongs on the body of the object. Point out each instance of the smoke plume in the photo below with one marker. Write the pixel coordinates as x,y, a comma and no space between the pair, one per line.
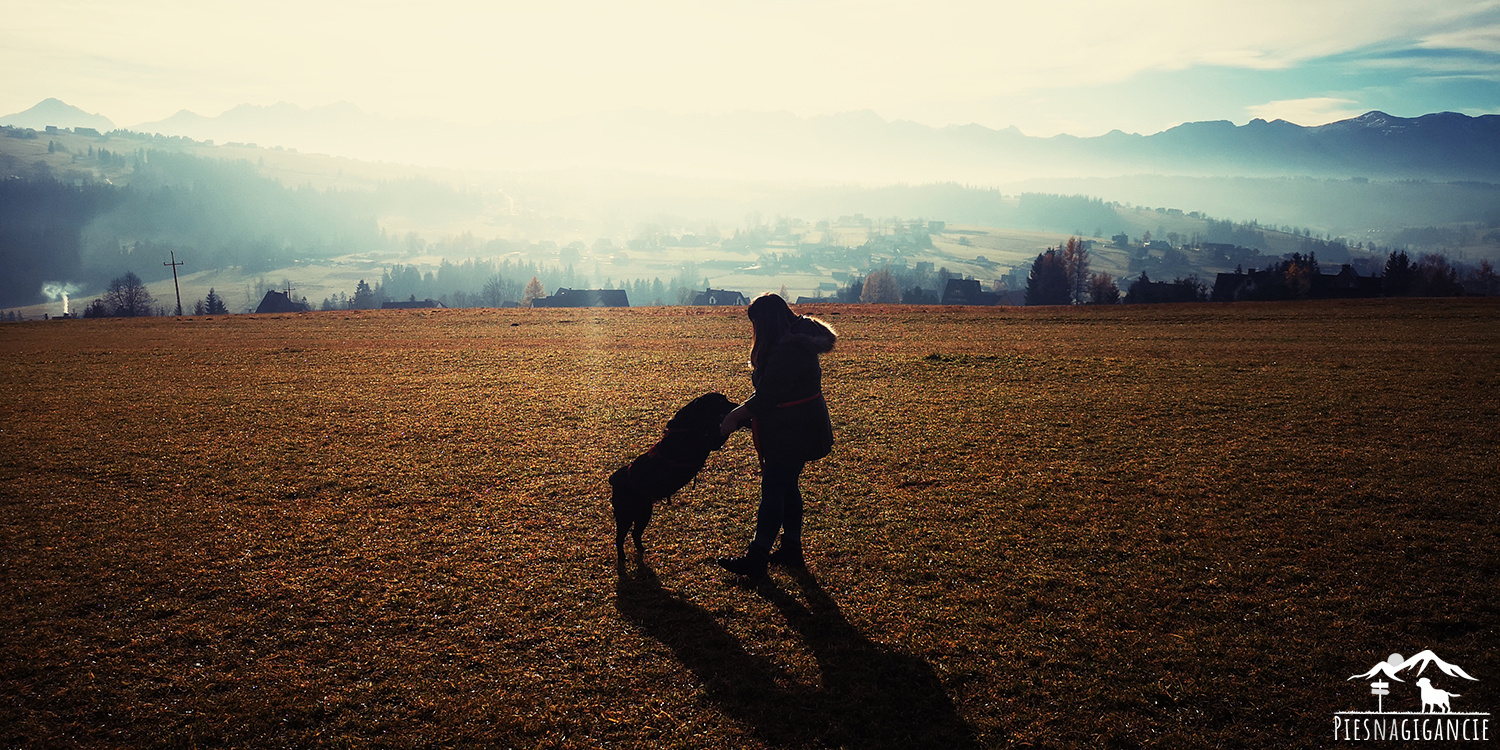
59,290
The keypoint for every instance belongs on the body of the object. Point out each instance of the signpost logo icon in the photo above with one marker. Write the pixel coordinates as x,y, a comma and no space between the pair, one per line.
1381,689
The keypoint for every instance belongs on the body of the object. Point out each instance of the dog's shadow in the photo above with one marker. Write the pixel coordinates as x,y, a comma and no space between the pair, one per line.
871,696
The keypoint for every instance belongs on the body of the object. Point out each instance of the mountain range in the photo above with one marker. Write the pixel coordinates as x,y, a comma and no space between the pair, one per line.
852,147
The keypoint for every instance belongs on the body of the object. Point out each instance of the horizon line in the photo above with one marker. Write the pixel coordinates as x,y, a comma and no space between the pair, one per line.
799,116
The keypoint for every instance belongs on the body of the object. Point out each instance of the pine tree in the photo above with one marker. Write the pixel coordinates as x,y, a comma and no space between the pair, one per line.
364,297
1399,275
214,304
1048,282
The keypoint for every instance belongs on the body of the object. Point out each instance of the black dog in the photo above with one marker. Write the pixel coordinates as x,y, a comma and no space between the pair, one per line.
675,459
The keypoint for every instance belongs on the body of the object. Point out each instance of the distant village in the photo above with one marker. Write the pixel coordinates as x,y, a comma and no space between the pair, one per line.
893,275
1297,277
1054,278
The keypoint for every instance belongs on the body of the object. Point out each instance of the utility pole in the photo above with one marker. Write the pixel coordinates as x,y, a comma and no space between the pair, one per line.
174,264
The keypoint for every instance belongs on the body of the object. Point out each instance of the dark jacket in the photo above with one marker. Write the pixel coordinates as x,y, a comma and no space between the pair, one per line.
791,417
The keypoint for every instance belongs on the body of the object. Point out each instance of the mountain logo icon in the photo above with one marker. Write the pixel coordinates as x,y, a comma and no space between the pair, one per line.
1395,664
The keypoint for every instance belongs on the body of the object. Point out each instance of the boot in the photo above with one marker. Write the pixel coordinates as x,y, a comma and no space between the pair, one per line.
788,555
753,564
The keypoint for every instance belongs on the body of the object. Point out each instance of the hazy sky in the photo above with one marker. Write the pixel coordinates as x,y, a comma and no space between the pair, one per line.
1076,66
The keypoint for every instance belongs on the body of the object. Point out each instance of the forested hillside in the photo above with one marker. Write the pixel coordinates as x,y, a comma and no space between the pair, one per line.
85,232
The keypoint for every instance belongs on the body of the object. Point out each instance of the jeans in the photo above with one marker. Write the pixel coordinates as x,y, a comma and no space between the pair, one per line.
780,505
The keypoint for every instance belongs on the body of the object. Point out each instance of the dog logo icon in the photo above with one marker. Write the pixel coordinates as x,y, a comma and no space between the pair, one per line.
1435,721
1437,699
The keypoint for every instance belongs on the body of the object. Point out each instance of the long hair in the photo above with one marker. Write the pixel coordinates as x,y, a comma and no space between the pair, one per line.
770,319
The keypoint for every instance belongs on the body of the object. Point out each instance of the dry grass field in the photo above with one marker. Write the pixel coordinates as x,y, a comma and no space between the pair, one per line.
1180,526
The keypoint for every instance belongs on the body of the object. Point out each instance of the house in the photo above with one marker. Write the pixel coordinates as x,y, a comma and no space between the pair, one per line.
1347,284
565,297
720,298
967,292
1267,284
411,304
280,302
1228,286
1146,291
1011,297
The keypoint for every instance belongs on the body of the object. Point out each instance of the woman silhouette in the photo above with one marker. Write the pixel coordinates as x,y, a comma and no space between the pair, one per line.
790,421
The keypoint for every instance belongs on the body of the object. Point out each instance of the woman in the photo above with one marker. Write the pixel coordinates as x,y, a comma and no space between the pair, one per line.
790,421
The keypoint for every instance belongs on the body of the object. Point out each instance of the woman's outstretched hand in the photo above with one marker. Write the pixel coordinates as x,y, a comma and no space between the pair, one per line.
732,421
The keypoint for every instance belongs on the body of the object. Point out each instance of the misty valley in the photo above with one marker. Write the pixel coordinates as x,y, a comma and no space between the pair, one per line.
89,219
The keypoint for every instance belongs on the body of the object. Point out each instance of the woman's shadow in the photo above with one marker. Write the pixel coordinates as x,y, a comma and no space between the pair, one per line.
871,696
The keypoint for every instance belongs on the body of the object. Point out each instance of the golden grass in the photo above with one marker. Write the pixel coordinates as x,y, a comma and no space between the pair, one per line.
1135,526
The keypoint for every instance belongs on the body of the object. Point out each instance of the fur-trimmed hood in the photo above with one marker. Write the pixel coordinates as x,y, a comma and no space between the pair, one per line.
812,334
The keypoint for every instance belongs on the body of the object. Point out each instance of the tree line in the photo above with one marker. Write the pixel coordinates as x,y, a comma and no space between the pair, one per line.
1061,276
1300,276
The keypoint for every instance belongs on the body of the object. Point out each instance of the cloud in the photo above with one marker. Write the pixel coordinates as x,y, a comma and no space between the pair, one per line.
1313,111
1426,62
1481,39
